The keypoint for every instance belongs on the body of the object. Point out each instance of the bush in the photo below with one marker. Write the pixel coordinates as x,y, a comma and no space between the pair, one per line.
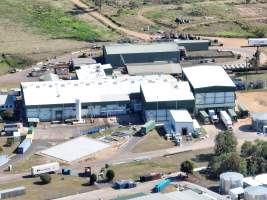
93,179
187,167
110,175
45,178
8,115
10,142
1,149
225,142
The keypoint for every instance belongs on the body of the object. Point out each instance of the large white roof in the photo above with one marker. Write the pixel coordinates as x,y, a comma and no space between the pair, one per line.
166,91
207,76
181,116
103,90
90,72
75,149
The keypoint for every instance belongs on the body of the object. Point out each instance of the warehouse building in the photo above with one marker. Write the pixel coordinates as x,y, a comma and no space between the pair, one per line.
194,45
118,55
57,101
157,98
212,87
160,67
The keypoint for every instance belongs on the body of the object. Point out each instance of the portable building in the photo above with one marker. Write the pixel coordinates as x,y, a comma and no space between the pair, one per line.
24,146
119,54
212,87
161,185
12,193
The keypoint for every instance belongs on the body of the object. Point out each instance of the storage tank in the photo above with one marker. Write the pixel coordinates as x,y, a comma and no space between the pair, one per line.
230,180
259,120
262,178
256,193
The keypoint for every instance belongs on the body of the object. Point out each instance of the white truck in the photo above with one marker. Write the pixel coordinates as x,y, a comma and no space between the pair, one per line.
213,116
226,119
45,168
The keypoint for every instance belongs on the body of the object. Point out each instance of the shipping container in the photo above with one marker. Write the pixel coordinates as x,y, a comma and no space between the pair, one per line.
204,117
12,193
125,184
243,111
257,42
232,114
161,185
45,168
24,146
150,125
150,177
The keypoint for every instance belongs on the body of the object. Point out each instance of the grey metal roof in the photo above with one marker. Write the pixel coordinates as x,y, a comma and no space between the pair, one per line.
256,190
231,176
142,48
154,68
259,116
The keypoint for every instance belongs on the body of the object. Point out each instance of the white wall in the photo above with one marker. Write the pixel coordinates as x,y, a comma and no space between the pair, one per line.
215,98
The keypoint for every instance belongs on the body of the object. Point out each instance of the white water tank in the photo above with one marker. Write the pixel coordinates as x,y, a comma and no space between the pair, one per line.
78,109
256,193
230,180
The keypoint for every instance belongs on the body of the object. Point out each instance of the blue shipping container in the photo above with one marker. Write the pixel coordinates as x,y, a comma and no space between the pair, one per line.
161,185
24,146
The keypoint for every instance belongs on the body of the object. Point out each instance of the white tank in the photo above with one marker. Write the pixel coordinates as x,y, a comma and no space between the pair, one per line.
262,178
230,180
256,193
78,109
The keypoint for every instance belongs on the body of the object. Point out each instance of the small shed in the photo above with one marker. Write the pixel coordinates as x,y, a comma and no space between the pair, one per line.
181,122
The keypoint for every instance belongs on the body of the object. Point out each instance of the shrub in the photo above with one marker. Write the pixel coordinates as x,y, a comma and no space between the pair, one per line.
93,179
110,175
45,178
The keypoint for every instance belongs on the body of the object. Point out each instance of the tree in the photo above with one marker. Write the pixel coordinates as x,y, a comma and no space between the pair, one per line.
8,115
227,162
187,167
246,149
110,175
1,149
225,143
45,178
93,179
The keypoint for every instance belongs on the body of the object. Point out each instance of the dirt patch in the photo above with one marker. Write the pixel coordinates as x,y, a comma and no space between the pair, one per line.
252,10
255,101
152,141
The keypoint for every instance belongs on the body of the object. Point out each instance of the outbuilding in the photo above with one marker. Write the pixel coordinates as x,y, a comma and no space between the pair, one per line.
181,122
119,54
193,45
212,87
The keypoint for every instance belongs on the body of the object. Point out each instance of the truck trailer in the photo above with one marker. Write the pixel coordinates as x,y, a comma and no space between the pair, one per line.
45,168
24,146
226,119
204,117
161,185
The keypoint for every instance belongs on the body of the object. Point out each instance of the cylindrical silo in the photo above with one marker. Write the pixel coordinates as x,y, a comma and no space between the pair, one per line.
230,180
262,179
78,109
256,193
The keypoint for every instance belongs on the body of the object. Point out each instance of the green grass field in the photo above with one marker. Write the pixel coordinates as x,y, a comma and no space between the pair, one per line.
161,164
50,20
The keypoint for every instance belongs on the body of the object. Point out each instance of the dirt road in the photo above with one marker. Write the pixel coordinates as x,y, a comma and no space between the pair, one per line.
110,24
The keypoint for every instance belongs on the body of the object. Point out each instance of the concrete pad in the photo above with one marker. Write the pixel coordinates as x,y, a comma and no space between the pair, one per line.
75,149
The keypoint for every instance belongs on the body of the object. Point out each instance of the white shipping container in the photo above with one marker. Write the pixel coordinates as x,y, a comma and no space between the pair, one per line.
45,168
257,41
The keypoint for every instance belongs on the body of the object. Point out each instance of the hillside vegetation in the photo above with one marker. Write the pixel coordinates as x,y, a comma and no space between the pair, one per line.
49,20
